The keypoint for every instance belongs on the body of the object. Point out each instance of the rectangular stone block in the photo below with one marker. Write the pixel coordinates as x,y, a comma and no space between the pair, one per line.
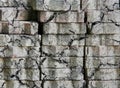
103,39
69,40
27,40
13,3
103,16
62,74
21,74
108,4
116,39
46,84
89,4
10,14
36,4
15,63
62,62
46,16
15,84
64,28
61,17
67,17
103,50
105,28
19,40
6,40
62,51
72,28
104,84
103,74
63,84
50,28
57,5
103,62
19,27
14,51
101,4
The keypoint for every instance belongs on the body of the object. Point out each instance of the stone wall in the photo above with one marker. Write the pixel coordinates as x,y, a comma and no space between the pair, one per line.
59,43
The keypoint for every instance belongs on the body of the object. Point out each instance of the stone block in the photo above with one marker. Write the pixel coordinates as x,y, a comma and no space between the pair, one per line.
45,16
62,74
67,17
89,4
62,62
103,62
63,84
11,14
64,28
101,4
6,40
108,4
101,51
104,84
103,74
105,28
19,27
57,5
26,40
69,40
15,51
20,63
103,16
50,28
72,28
19,74
13,3
63,51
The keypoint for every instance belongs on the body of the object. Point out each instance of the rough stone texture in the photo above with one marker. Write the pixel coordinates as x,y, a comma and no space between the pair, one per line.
59,44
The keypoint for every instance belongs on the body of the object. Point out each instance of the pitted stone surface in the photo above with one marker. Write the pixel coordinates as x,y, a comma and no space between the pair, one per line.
59,43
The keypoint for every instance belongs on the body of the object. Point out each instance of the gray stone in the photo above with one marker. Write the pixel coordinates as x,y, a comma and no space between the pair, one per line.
62,74
62,62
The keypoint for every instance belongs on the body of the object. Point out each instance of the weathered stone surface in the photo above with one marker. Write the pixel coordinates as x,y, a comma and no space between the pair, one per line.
64,28
68,17
13,2
28,62
101,4
62,5
106,28
103,51
63,40
19,40
103,74
18,27
9,14
104,16
62,74
15,51
103,62
63,51
61,17
26,40
19,74
6,40
104,84
56,4
63,84
59,43
62,62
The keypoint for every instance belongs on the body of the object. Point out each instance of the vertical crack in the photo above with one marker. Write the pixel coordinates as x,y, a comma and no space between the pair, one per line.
84,65
119,4
80,4
85,55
